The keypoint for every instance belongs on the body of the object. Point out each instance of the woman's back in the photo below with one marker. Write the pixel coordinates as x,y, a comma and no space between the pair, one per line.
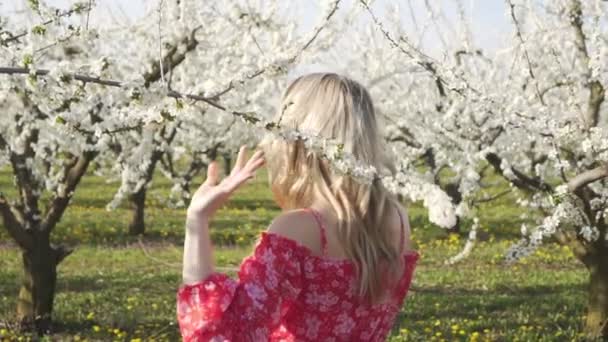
314,293
340,272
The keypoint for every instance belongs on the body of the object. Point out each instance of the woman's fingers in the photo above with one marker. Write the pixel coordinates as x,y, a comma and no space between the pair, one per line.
213,174
246,172
256,161
241,159
257,156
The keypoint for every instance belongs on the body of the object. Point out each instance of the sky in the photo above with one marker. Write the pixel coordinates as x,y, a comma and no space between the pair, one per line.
488,19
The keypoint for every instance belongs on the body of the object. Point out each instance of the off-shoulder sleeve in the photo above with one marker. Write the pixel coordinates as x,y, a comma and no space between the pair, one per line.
250,308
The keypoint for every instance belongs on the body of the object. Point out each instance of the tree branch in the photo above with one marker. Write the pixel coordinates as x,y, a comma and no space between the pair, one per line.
423,60
491,197
172,59
156,74
61,200
587,177
523,44
247,116
596,89
13,222
43,72
522,180
25,180
76,9
3,143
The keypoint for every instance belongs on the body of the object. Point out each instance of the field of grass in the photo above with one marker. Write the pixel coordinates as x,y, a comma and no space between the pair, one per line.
116,287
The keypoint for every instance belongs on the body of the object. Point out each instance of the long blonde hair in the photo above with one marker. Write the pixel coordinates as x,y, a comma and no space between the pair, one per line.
335,107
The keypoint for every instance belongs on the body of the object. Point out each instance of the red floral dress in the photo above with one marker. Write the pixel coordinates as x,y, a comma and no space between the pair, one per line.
285,293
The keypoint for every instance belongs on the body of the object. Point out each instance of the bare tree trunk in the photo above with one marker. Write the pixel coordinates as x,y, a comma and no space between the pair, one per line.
596,325
35,301
227,162
452,190
137,201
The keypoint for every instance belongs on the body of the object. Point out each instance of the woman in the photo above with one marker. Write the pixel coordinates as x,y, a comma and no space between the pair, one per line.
336,265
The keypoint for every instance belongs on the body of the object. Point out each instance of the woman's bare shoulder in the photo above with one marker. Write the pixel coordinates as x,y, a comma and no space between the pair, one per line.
298,225
399,216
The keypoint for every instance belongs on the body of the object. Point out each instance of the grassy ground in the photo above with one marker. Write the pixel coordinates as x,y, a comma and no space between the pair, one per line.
115,287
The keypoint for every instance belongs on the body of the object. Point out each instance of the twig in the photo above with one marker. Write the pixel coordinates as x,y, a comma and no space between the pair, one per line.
160,41
423,60
249,117
292,59
88,14
50,21
172,265
159,331
468,246
597,93
156,260
492,198
210,100
525,50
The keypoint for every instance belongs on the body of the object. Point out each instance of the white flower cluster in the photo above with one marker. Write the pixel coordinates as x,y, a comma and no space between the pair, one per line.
566,215
468,246
439,204
590,233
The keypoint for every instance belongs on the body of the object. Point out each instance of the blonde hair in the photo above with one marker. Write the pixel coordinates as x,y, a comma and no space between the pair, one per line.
335,107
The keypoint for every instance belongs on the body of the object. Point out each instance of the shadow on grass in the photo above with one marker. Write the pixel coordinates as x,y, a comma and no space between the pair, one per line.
66,330
554,304
536,290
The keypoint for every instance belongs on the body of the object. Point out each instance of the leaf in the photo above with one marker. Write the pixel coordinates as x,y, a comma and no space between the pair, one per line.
39,30
60,120
34,5
28,59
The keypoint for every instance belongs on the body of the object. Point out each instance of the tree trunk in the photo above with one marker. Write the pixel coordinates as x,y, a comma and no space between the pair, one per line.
455,229
138,198
227,163
138,205
596,325
35,302
454,192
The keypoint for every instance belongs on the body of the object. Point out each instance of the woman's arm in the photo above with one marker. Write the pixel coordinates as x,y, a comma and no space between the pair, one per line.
208,198
198,251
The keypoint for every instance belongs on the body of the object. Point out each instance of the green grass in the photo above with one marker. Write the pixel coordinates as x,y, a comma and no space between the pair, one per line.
115,288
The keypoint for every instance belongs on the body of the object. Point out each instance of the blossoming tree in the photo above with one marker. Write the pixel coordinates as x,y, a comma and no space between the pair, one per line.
533,112
72,90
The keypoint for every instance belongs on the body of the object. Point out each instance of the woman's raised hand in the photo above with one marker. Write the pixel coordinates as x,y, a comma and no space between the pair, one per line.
212,194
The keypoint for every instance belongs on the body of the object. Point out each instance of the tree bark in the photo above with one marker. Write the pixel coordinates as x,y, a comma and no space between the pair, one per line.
137,200
35,301
596,325
227,163
452,190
